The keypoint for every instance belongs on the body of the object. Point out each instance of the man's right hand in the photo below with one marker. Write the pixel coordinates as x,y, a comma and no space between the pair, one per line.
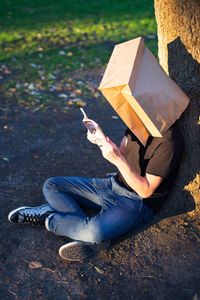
97,137
91,137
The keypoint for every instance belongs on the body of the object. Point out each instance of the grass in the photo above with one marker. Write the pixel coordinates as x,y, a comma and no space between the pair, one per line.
43,40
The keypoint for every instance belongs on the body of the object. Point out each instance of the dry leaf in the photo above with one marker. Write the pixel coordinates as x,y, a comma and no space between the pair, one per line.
80,103
34,66
12,90
31,86
70,102
51,76
78,91
62,96
62,52
96,95
35,265
99,270
5,159
39,35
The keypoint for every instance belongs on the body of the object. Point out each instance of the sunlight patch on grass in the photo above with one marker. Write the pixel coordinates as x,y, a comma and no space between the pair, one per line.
41,42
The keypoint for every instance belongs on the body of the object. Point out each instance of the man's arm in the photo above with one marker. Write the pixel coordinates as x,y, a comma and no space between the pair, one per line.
123,145
144,186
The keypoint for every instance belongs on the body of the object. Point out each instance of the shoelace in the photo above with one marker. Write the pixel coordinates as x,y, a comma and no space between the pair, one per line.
31,218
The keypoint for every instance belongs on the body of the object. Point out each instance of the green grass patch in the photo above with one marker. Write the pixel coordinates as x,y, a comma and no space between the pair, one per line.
41,40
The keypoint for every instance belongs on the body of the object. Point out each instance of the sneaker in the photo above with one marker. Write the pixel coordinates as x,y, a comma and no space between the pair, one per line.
47,221
26,214
79,251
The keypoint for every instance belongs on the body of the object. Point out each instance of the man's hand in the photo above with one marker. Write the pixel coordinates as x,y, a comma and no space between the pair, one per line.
96,138
144,186
110,151
91,137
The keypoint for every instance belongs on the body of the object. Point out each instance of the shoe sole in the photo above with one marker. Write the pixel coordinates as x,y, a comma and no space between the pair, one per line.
46,223
14,211
75,251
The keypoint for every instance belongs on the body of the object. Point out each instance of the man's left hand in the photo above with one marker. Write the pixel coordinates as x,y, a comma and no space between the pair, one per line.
110,151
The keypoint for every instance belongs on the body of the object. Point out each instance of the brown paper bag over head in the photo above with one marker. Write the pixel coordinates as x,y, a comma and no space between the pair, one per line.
142,94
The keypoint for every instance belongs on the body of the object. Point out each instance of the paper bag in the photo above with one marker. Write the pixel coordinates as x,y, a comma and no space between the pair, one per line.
140,91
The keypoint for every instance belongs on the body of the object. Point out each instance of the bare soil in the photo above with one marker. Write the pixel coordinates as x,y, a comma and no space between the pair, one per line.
159,262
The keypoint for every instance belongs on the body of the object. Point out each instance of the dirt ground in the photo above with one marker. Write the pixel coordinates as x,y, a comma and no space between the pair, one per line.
160,262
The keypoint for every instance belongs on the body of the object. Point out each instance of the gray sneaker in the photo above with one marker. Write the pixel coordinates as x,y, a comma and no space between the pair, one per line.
79,251
26,214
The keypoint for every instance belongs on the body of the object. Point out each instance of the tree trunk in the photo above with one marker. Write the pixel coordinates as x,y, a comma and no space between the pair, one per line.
179,54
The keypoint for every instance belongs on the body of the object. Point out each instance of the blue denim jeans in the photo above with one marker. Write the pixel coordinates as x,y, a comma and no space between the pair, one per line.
118,210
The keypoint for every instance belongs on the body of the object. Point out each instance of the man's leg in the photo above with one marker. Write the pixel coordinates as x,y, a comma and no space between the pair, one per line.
66,194
63,195
119,214
121,211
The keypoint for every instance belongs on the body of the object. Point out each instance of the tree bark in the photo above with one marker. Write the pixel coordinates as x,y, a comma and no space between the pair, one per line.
178,24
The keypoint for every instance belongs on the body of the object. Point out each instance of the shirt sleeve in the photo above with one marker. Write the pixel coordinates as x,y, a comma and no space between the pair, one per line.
162,161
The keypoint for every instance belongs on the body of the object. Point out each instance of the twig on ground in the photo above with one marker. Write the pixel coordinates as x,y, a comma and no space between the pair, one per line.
12,293
196,236
48,269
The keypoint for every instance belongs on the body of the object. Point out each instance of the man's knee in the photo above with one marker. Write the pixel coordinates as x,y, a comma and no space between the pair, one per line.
50,183
93,236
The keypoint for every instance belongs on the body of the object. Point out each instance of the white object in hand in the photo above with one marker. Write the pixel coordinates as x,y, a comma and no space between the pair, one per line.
93,129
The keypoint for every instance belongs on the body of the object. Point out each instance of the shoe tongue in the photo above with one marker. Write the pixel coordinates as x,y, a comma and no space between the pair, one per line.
21,218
